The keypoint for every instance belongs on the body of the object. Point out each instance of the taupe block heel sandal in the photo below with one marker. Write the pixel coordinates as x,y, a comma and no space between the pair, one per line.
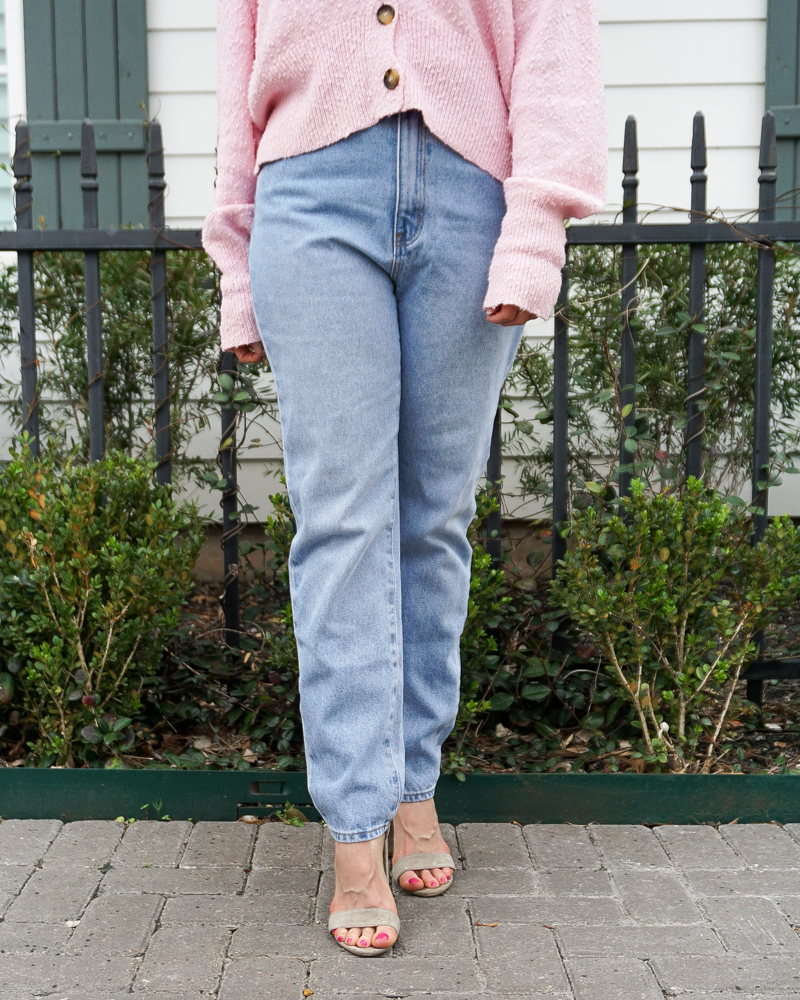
373,916
416,862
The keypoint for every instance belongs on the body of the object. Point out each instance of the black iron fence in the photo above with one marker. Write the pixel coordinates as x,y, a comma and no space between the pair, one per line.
629,234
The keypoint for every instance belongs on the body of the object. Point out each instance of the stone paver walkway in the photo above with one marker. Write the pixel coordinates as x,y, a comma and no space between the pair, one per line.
96,911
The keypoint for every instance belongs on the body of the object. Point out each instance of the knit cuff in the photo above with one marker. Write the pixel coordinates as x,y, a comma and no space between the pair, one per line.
527,262
237,324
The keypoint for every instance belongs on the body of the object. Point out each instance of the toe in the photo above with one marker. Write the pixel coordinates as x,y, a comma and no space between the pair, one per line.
411,882
352,936
384,937
440,874
340,934
365,937
428,878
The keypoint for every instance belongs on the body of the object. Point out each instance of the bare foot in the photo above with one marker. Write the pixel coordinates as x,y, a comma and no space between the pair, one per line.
416,831
361,883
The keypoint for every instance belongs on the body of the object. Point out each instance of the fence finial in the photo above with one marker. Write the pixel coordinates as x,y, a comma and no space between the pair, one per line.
767,162
155,171
630,168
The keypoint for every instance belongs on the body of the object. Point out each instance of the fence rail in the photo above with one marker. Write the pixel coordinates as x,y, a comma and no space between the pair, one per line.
698,233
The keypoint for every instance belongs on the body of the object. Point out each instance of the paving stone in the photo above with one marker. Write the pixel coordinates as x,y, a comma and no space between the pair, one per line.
629,846
236,911
277,940
790,907
149,842
493,845
173,881
440,932
761,882
780,973
328,850
46,973
638,942
763,845
264,979
53,895
12,879
612,979
85,843
282,846
698,847
445,907
32,939
502,882
527,958
25,841
554,846
217,845
576,883
656,897
284,880
347,973
551,912
185,958
327,887
118,926
448,832
751,925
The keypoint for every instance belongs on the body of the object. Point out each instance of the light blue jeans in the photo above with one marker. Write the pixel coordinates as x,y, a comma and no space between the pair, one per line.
369,261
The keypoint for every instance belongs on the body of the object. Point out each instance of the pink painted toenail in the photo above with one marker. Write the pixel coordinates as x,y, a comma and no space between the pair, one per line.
363,943
340,938
414,881
449,877
442,880
381,937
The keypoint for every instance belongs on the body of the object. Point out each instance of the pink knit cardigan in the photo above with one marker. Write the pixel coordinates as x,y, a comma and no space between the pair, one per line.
514,86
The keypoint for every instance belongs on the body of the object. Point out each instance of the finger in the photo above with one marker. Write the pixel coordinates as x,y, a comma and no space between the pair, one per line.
502,314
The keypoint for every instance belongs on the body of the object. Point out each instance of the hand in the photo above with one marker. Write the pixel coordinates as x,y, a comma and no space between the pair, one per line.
250,353
509,316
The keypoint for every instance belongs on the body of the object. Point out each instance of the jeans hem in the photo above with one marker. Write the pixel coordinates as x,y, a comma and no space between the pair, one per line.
418,796
372,833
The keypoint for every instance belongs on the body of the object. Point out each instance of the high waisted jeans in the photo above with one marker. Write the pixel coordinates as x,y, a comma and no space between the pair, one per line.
369,261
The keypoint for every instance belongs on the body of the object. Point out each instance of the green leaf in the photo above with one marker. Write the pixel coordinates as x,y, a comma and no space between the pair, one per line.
536,692
226,381
631,445
627,409
501,701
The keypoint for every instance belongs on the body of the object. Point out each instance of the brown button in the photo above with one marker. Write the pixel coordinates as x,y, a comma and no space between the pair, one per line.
386,14
391,78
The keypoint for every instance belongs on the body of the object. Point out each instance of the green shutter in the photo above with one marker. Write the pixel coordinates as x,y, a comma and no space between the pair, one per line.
87,59
783,97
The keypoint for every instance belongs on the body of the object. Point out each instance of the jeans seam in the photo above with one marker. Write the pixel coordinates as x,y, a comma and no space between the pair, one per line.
422,160
395,680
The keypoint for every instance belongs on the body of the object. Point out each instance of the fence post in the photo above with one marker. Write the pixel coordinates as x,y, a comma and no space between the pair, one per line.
23,211
560,419
158,295
494,473
695,418
94,315
762,389
627,374
230,522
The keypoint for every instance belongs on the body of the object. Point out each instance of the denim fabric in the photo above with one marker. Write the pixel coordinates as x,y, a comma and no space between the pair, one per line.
369,262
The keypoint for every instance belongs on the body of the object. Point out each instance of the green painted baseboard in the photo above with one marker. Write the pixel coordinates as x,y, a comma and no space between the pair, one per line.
26,793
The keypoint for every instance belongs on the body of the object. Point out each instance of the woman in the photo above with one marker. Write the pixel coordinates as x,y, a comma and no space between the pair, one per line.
392,187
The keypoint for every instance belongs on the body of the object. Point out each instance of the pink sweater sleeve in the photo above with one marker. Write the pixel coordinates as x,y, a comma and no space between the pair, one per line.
226,233
559,149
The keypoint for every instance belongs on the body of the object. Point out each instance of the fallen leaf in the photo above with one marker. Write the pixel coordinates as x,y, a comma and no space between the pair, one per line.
479,924
308,993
